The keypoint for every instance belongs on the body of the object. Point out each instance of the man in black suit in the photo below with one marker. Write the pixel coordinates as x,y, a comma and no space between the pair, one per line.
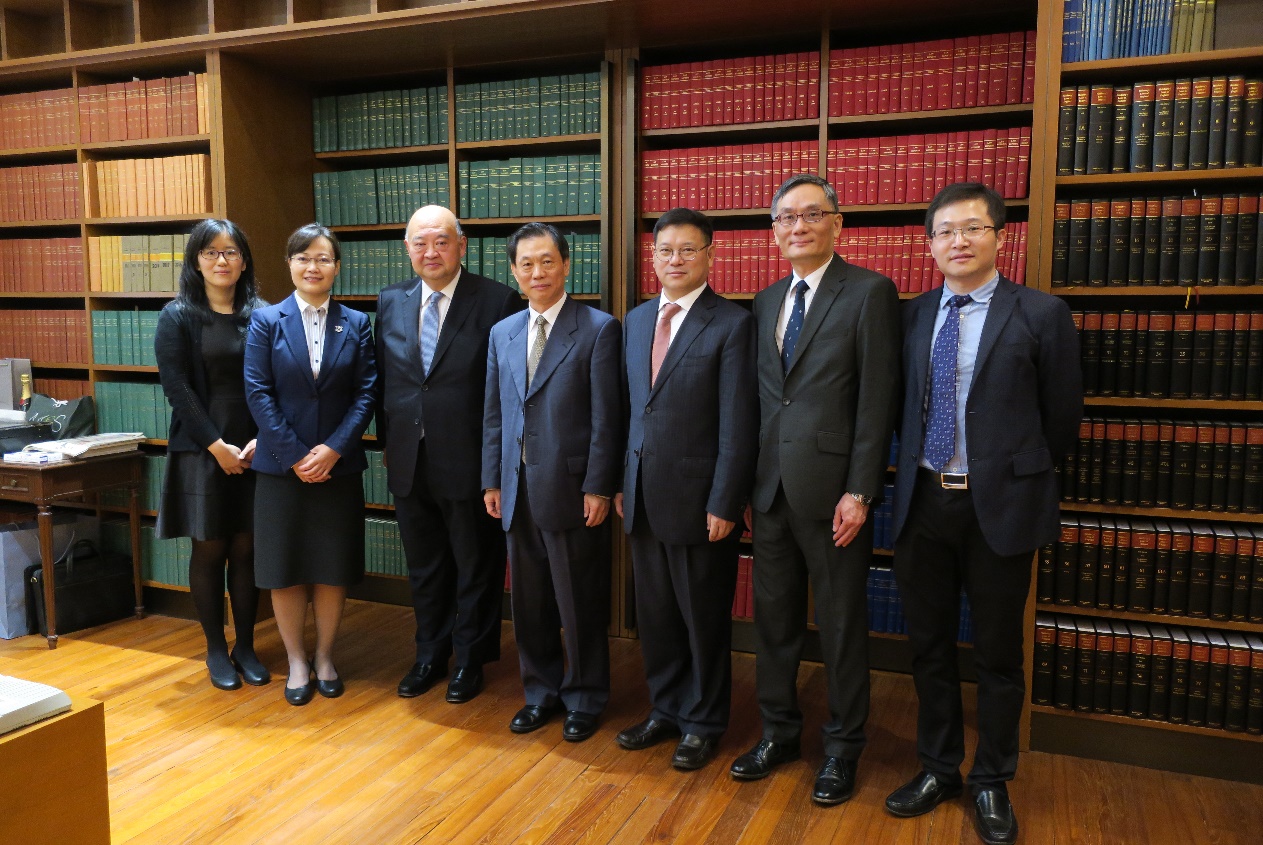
432,335
992,401
828,366
689,366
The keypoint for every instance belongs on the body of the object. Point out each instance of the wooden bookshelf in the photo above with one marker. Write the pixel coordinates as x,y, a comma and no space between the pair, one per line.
1158,618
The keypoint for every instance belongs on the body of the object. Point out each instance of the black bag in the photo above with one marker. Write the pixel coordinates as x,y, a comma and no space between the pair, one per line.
69,417
14,437
91,589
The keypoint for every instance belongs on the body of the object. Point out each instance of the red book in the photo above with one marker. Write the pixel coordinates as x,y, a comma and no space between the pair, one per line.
959,65
1024,163
1028,68
813,85
886,103
998,72
870,71
976,74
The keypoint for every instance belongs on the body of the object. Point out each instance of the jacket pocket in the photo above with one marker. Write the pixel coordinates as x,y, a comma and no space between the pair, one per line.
1032,461
577,465
833,443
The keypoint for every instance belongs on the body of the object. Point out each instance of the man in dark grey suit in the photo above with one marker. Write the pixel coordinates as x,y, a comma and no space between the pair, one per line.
992,401
552,439
689,466
432,362
828,368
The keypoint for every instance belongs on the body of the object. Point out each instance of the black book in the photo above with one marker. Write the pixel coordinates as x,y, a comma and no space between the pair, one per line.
1201,564
1161,565
1160,672
1083,104
1222,451
1247,239
1066,559
1198,676
1203,347
1237,355
1236,459
1063,671
1217,680
1100,125
1152,260
1140,671
1144,541
1088,555
1184,457
1243,575
1163,123
1254,700
1181,666
1099,229
1122,564
1180,122
1158,348
1065,132
1234,133
1085,665
1222,572
1061,243
1142,131
1113,472
1218,121
1119,259
1090,352
1120,674
1136,243
1226,273
1146,494
1221,355
1252,477
1045,659
1203,465
1166,462
1104,666
1105,563
1170,227
1046,574
1208,241
1120,133
1107,369
1067,473
1190,241
1254,358
1254,611
1251,148
1096,483
1125,368
1181,566
1083,462
1238,691
1199,124
1140,354
1080,239
1129,491
1181,354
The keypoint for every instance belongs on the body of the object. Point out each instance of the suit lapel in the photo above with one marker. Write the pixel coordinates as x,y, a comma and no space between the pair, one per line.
516,350
461,306
920,331
772,314
296,337
640,347
695,321
998,313
336,325
412,324
560,341
828,290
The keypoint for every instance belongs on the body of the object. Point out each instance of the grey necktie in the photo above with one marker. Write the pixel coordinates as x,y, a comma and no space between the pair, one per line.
537,351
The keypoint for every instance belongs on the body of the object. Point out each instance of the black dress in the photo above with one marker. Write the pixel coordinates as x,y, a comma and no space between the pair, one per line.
199,499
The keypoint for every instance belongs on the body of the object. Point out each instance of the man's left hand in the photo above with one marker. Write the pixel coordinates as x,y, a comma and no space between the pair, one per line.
848,518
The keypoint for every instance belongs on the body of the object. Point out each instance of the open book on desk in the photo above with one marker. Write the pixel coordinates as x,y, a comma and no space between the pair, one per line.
23,702
89,446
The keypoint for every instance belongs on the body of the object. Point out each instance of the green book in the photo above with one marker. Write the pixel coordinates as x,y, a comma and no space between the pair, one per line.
463,187
592,102
574,175
550,105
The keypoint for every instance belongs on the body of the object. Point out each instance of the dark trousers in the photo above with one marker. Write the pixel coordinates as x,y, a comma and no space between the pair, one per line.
560,580
790,551
939,550
684,618
455,554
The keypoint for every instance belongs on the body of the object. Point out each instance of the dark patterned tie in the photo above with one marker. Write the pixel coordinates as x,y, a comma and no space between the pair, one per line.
661,340
795,326
940,423
537,350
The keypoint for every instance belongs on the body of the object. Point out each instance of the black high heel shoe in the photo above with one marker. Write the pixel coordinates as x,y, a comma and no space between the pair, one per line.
252,671
223,676
329,689
300,695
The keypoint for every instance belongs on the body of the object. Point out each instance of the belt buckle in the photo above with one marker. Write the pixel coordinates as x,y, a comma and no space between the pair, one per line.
954,480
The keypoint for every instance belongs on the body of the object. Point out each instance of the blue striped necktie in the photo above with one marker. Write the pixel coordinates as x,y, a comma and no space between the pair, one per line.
940,423
795,325
430,331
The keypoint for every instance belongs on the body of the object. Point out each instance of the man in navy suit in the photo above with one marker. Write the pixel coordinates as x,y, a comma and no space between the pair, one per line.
432,362
992,401
552,443
689,466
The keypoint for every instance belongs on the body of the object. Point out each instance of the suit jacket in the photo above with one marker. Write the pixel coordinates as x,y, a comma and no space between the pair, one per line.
447,401
826,422
1023,412
297,412
692,437
571,418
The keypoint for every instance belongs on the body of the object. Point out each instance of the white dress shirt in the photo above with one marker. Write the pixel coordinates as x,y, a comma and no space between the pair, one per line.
444,303
685,302
314,328
813,280
531,329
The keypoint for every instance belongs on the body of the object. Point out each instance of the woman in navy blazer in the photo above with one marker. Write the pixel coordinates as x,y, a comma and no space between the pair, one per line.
310,383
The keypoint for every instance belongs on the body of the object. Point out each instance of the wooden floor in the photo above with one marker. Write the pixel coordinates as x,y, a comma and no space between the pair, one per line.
191,764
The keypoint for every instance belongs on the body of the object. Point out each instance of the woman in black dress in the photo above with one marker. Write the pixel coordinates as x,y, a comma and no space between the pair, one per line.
311,384
208,489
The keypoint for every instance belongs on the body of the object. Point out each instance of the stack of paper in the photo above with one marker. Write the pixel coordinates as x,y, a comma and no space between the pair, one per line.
23,702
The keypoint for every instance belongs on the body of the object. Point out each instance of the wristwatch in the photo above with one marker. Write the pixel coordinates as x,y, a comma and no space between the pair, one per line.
861,498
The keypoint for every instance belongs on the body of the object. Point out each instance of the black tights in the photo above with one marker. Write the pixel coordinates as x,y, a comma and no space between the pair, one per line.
206,583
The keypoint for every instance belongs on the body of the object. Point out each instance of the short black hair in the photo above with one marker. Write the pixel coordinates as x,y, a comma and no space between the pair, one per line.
535,229
305,236
830,195
964,192
685,217
192,284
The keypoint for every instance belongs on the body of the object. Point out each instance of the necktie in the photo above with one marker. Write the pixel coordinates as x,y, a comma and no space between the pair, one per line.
430,330
662,339
940,424
795,326
537,350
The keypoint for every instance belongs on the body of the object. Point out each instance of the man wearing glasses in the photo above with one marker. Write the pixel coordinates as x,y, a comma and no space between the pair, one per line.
828,366
992,401
689,366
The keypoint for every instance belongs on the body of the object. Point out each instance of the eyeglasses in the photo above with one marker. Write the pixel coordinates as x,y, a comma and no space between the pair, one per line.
688,253
322,261
787,219
973,230
229,255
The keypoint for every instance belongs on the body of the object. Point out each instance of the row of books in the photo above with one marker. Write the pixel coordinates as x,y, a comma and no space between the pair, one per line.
1166,355
40,192
45,336
369,266
719,92
129,406
41,264
1180,568
1206,123
378,195
489,256
124,337
37,119
882,515
135,262
946,73
144,108
1199,239
1185,676
913,168
63,388
885,607
149,187
408,117
163,561
383,549
1214,466
731,176
542,186
150,489
1123,29
536,107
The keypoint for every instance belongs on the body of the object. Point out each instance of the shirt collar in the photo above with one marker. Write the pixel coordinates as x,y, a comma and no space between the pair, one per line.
307,308
447,291
981,295
815,277
551,314
685,302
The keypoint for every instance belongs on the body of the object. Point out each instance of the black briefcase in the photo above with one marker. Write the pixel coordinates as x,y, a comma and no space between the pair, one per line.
14,437
91,589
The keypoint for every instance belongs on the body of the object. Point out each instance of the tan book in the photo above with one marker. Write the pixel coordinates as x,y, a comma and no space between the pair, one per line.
203,106
159,188
90,189
144,191
94,263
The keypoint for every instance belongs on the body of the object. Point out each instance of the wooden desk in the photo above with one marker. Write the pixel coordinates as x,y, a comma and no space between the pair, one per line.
43,485
53,788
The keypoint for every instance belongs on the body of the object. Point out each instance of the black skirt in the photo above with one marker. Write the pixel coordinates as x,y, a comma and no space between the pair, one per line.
308,533
201,501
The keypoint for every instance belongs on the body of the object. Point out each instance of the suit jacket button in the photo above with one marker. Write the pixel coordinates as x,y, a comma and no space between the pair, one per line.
785,401
416,422
425,387
649,409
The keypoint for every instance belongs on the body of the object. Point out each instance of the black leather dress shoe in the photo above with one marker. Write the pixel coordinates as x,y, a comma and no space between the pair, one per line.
834,782
759,761
420,678
647,733
920,795
330,689
465,684
993,817
302,695
532,717
694,751
253,672
222,673
578,726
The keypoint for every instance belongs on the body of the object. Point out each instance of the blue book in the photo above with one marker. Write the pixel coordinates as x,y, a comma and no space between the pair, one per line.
1166,14
1109,27
1072,32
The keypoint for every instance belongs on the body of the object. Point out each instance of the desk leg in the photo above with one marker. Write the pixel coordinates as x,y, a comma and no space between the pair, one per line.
133,518
46,562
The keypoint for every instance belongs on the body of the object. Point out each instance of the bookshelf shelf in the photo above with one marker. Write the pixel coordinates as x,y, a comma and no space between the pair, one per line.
373,506
43,365
123,368
41,294
1091,507
161,586
1190,404
782,127
1170,64
955,117
1168,177
766,213
1150,723
170,144
153,441
37,155
146,221
1160,290
1160,618
68,223
383,153
518,221
506,144
131,294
